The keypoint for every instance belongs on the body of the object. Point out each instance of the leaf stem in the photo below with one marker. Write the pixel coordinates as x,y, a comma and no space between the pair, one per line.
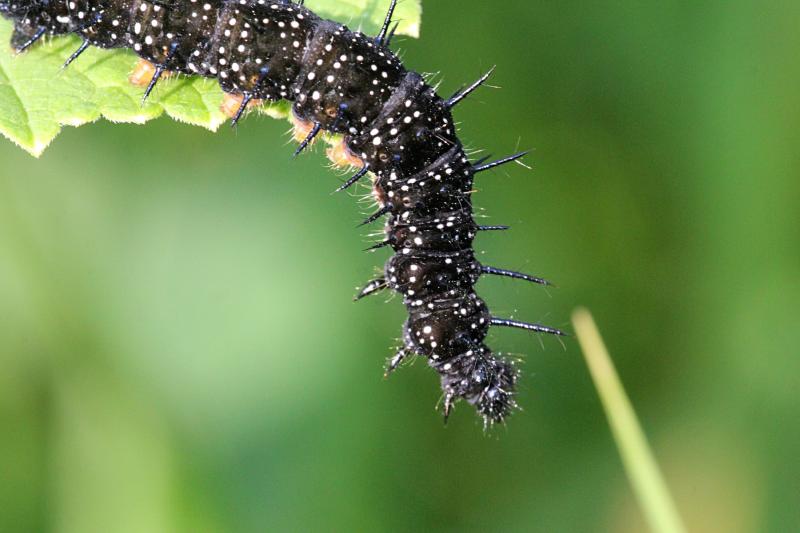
637,457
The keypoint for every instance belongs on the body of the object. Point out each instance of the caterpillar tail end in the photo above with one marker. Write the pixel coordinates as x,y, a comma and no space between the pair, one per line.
486,382
496,401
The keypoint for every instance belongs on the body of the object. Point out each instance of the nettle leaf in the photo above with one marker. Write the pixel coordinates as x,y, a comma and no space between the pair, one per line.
38,97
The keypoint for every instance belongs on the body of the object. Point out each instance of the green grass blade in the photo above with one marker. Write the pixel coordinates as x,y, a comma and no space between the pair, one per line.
642,469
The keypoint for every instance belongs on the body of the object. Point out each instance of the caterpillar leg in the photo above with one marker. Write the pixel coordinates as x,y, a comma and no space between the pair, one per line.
146,74
305,132
448,404
340,156
301,128
143,73
234,105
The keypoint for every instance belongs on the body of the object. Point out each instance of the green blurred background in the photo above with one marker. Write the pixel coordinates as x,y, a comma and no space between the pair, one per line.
180,351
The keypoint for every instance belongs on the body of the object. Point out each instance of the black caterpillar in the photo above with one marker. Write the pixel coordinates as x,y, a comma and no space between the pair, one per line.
394,126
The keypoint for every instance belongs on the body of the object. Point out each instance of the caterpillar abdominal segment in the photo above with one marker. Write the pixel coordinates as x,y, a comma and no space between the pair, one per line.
393,126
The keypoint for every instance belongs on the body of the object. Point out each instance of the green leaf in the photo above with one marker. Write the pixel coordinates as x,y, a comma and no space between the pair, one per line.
37,97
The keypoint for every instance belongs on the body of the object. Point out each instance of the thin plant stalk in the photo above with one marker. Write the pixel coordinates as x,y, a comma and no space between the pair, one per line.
643,472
